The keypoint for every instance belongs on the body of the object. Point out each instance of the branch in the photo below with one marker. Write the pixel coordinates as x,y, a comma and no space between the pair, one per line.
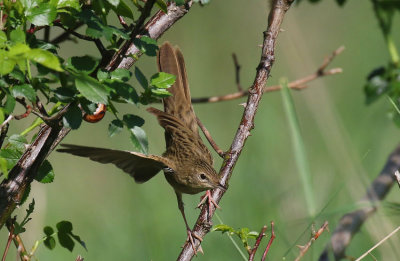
257,244
154,28
306,247
203,226
271,239
209,138
351,222
297,84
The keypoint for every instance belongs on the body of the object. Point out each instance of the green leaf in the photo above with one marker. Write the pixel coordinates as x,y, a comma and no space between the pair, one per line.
160,93
45,58
115,127
120,74
123,10
26,194
3,39
131,120
162,5
3,167
102,75
73,118
146,45
91,89
18,75
24,90
162,80
179,2
19,51
11,156
2,115
114,3
17,36
64,227
65,240
223,228
48,231
50,242
6,63
45,173
84,64
9,105
64,94
43,14
69,4
125,91
139,139
18,142
141,78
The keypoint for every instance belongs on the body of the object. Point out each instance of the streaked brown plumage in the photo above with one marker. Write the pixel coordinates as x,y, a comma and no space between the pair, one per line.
187,163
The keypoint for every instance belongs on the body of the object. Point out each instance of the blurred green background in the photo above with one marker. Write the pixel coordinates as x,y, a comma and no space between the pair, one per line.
347,143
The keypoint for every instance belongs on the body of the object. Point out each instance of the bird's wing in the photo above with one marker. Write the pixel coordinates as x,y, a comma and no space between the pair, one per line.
140,166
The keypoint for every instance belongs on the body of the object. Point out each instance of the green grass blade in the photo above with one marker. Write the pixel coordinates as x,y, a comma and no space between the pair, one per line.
298,147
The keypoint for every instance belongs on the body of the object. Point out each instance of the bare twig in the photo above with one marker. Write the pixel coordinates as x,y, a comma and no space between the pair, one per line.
237,72
203,226
297,84
257,244
66,35
3,135
143,16
306,247
18,241
10,237
378,244
209,138
271,239
122,22
351,222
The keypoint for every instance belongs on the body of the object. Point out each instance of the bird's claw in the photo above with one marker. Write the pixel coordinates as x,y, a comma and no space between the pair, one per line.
207,197
190,235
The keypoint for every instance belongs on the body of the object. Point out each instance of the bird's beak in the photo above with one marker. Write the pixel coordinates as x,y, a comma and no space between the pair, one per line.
222,187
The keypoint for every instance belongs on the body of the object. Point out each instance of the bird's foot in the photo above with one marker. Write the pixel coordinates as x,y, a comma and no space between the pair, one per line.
190,235
207,197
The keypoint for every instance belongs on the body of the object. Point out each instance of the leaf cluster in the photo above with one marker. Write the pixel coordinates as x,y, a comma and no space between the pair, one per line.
244,234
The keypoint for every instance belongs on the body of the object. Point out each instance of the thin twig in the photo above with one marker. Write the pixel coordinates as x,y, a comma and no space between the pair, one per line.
298,84
306,247
66,35
271,239
378,244
202,226
3,134
257,244
74,33
209,138
143,16
18,241
122,22
10,237
237,72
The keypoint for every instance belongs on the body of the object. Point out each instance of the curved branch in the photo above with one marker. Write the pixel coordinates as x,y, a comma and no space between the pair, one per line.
203,224
351,222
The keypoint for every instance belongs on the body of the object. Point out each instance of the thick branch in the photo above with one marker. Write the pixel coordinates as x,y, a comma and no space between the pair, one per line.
351,222
203,225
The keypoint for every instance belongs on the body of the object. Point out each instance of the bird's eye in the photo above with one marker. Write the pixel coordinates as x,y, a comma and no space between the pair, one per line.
203,176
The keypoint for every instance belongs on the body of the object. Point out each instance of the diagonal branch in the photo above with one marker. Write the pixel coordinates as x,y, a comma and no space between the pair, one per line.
351,222
203,225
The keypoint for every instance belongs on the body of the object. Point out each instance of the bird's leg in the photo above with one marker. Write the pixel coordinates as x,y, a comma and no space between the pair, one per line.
210,202
189,232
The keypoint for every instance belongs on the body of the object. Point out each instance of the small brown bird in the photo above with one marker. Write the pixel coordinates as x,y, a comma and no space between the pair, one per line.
187,163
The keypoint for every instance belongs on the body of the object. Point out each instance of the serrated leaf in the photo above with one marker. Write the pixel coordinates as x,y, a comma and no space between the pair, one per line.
102,75
45,173
48,231
50,242
91,89
120,74
125,91
11,156
18,141
84,64
45,58
115,127
25,91
41,15
141,78
162,80
162,5
146,45
223,228
69,4
73,118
